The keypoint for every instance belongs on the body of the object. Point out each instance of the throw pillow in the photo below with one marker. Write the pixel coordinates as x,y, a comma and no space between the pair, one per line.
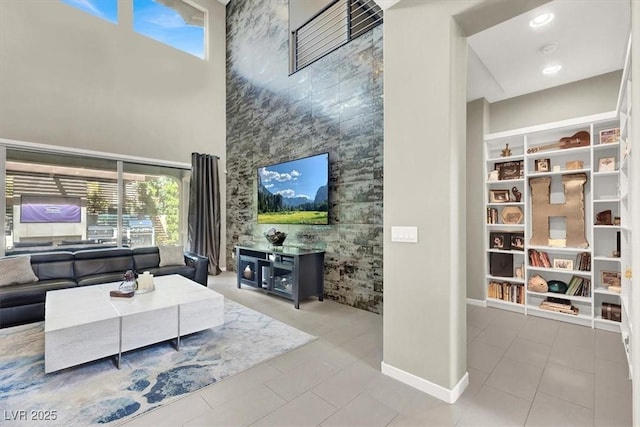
171,255
16,271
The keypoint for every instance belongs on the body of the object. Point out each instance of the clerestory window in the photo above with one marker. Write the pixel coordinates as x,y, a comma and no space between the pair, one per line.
176,23
105,9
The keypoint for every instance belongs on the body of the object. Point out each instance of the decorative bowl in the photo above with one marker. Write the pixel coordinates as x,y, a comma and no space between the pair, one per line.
276,238
557,286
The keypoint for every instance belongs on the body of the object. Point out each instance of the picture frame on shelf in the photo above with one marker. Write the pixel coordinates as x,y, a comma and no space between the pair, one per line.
609,278
519,272
610,136
517,241
499,240
563,264
606,164
542,165
499,196
512,215
574,165
508,170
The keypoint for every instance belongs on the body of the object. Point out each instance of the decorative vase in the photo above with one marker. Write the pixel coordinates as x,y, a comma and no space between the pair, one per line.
248,274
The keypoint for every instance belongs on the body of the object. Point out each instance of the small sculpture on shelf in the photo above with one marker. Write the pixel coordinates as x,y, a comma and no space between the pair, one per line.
604,217
506,152
517,195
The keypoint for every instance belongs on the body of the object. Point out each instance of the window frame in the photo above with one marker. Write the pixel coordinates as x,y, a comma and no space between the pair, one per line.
205,27
8,144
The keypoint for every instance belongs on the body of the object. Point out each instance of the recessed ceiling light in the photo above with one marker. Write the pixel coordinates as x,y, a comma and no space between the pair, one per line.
540,20
551,69
549,48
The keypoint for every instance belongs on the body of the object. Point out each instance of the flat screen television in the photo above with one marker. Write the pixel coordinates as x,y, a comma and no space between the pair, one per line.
50,209
294,192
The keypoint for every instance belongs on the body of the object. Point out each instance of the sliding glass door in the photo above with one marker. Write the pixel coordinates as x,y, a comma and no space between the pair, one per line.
59,201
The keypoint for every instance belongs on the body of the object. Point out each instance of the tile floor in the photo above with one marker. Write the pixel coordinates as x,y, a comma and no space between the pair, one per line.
524,371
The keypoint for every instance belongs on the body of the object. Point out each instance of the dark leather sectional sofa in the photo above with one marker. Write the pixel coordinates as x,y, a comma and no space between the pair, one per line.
20,304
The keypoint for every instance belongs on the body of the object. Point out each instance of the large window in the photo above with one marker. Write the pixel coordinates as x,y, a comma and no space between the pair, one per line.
61,201
173,22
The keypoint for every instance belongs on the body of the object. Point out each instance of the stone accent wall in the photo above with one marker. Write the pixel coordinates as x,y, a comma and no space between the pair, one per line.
334,105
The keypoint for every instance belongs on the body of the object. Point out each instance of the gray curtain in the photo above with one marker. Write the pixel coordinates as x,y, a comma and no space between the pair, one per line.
204,209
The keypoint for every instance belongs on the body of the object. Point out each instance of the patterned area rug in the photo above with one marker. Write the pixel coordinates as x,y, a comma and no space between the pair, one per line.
99,393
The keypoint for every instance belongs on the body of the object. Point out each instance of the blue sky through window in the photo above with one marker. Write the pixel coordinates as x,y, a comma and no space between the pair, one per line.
154,20
105,9
166,25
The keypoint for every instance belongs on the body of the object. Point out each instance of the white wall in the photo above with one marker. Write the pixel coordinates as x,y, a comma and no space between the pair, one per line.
300,11
477,127
583,98
424,186
71,79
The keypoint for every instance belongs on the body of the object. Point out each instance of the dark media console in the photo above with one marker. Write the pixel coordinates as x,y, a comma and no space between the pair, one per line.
288,271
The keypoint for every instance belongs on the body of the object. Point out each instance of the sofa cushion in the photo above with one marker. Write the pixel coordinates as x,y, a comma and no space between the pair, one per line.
16,270
145,258
31,293
171,255
53,265
183,270
94,262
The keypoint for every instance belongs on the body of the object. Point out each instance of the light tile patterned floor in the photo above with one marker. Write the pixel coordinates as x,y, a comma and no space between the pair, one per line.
524,371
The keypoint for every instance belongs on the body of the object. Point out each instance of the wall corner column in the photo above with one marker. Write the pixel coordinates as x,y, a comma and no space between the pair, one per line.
425,187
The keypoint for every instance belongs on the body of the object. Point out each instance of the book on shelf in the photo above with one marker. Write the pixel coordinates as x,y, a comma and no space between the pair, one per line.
506,291
492,216
539,258
583,261
579,287
612,312
558,305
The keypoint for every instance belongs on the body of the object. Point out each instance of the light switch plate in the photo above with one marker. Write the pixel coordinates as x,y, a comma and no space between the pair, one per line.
404,234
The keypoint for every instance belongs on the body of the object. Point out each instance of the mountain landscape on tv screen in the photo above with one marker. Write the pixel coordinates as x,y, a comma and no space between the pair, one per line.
294,192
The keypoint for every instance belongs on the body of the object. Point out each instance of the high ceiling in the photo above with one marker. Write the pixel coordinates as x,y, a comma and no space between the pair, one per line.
586,37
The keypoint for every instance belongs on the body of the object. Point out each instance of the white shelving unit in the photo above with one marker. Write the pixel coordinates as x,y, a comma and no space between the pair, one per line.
603,191
628,202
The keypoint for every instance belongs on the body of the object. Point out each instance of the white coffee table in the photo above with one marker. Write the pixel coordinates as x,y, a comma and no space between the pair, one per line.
85,324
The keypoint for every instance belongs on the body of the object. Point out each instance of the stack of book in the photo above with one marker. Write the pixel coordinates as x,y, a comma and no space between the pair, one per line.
558,305
539,259
579,287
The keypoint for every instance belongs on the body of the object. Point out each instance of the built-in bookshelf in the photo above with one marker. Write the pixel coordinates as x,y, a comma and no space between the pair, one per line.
529,172
628,180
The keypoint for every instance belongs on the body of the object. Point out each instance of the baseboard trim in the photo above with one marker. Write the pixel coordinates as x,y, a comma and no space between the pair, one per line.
435,390
477,302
